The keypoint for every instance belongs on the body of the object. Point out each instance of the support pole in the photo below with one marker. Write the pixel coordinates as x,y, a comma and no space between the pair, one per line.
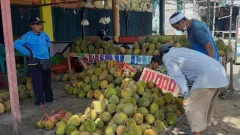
82,17
126,15
194,9
230,23
208,13
11,66
214,16
229,43
116,25
161,17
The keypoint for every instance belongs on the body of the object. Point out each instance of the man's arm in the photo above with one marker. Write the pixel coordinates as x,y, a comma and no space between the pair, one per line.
201,36
209,50
176,74
20,45
137,75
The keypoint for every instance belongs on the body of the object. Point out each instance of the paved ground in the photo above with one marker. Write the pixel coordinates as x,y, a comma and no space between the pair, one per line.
227,114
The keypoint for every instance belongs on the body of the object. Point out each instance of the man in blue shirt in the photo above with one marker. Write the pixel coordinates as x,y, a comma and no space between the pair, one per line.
198,34
35,44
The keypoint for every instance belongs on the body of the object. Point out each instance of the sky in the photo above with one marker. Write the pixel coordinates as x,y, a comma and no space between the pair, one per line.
236,2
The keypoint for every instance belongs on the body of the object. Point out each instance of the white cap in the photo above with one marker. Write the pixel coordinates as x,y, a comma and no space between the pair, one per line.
177,18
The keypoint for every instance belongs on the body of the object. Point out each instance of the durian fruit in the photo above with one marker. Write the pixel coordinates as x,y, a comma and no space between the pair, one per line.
65,77
89,126
2,108
70,129
120,118
75,132
74,120
49,124
171,118
127,130
29,85
109,130
138,117
149,118
7,105
122,50
150,132
5,96
119,129
221,46
31,93
228,48
221,53
106,116
40,124
61,128
136,51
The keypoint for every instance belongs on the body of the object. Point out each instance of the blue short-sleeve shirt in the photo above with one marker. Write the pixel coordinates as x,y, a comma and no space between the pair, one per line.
199,35
37,43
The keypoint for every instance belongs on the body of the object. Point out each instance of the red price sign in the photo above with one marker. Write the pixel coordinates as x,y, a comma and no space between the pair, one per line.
161,80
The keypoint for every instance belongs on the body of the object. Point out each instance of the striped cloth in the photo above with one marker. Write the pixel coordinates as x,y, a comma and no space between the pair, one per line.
86,59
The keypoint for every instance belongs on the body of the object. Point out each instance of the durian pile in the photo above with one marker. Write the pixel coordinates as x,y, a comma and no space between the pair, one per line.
64,76
60,77
25,91
4,102
122,106
222,48
138,108
25,88
96,47
95,79
149,45
145,46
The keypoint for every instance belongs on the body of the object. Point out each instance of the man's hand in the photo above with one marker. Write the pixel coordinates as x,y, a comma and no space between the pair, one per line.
184,95
137,75
209,49
184,105
151,66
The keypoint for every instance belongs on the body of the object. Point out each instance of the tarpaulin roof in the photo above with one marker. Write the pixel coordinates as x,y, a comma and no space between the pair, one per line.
133,5
60,3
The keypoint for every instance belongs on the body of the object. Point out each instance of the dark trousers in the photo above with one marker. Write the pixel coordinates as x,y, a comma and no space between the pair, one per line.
41,81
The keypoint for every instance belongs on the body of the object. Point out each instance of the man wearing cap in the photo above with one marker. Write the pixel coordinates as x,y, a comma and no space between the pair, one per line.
185,64
35,44
198,34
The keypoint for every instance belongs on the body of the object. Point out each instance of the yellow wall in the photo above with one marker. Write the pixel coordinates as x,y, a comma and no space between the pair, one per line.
46,15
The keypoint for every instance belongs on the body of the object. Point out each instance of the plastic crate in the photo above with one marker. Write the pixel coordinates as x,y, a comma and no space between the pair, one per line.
59,68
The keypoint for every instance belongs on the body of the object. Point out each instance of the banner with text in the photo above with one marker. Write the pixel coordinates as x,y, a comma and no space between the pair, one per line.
162,81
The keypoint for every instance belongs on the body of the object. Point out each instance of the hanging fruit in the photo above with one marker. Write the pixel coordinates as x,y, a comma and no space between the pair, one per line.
84,22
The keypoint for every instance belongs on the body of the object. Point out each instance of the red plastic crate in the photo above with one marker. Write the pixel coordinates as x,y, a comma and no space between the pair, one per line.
128,39
59,68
